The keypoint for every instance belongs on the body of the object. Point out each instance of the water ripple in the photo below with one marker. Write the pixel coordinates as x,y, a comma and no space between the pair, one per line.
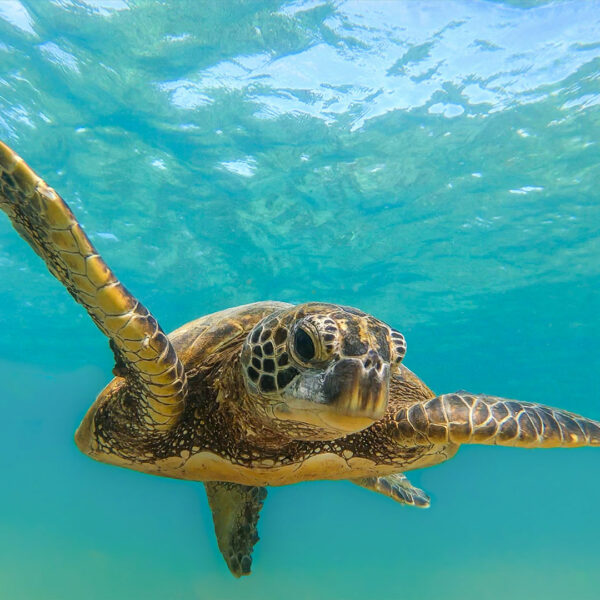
17,15
393,57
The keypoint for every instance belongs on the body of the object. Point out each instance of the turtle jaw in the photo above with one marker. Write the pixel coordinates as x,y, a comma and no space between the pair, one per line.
355,396
351,388
343,399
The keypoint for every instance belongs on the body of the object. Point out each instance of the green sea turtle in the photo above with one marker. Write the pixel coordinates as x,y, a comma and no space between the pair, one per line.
263,394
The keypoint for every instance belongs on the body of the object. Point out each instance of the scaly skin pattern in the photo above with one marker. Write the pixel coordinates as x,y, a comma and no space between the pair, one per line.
476,419
361,349
266,355
43,219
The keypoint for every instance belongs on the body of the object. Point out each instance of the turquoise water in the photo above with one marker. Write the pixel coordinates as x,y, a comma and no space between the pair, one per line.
433,163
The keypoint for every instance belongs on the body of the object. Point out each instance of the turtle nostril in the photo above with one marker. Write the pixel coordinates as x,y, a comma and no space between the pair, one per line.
373,360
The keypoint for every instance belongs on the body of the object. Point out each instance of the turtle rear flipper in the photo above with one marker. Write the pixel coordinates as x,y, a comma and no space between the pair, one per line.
235,510
44,220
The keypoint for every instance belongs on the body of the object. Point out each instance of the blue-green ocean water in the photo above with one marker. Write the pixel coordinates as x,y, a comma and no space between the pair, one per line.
435,163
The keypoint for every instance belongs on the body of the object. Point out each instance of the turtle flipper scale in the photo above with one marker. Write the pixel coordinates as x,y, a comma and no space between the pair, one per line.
235,510
397,487
464,418
44,220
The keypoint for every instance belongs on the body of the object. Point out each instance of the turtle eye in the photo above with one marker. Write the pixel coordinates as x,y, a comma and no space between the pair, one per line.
304,347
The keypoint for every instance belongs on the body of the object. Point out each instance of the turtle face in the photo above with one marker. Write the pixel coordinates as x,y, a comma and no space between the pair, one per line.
321,371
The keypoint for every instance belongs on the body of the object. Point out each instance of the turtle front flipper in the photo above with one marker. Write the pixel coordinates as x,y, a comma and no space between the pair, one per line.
397,487
464,418
147,358
235,510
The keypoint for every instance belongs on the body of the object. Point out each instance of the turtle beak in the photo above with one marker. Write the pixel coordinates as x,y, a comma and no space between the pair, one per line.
356,394
345,398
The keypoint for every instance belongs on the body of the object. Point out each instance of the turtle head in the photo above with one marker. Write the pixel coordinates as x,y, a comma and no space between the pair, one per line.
320,371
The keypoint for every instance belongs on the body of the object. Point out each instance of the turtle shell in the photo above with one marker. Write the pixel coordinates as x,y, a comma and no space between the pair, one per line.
195,341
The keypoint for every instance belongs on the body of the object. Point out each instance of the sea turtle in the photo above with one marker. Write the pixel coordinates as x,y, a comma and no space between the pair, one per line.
263,394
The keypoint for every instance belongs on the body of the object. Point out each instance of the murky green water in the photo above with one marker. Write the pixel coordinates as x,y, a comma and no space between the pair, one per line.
433,163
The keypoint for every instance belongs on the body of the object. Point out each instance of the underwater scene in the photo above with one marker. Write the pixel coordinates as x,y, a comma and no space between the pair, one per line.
434,163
